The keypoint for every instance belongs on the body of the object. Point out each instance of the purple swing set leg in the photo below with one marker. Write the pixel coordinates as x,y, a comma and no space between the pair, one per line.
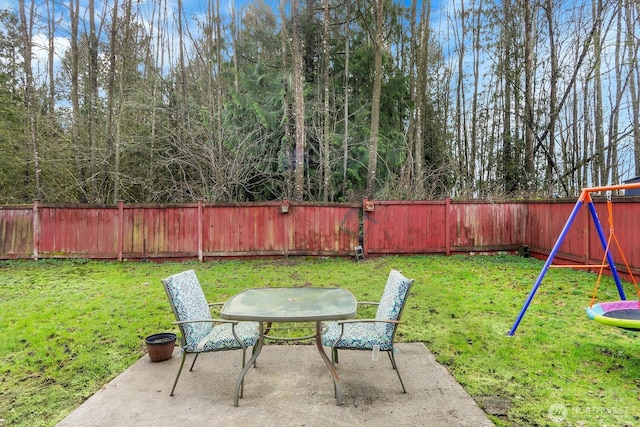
556,247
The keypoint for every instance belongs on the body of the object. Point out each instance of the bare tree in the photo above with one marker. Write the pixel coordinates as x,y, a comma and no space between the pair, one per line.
51,30
475,120
182,70
298,102
26,31
599,170
326,135
111,87
612,143
553,94
631,18
461,107
92,100
378,14
286,78
74,74
528,94
345,137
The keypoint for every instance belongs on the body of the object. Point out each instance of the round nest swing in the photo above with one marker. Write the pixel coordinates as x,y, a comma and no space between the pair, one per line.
620,314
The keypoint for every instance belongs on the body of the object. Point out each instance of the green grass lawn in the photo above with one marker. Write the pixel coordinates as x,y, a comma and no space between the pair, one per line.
68,327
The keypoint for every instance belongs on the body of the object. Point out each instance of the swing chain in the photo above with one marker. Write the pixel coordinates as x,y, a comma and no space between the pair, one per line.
610,212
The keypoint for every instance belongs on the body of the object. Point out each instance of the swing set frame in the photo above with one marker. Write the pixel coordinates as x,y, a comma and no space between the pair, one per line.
607,261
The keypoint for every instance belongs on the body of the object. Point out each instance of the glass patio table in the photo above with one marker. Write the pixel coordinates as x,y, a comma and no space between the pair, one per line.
301,304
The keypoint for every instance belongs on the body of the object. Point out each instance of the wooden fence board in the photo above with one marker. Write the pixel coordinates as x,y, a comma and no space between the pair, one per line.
322,229
16,232
404,227
488,226
86,231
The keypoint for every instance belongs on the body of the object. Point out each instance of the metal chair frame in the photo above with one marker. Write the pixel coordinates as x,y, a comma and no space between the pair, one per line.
183,334
390,352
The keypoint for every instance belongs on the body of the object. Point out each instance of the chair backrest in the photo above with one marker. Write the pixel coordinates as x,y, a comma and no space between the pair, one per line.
188,303
392,303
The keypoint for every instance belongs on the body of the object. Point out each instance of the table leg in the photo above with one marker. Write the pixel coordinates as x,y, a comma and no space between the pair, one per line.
337,382
248,365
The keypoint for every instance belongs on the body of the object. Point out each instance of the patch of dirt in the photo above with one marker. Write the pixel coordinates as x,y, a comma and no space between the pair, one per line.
495,405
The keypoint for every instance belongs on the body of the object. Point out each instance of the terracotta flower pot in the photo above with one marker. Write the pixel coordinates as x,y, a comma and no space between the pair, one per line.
160,346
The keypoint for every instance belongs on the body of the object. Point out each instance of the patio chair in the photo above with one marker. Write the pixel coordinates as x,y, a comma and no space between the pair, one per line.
200,332
364,334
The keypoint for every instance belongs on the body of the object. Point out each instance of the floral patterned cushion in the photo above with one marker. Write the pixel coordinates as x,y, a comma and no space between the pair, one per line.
189,303
221,337
363,335
392,301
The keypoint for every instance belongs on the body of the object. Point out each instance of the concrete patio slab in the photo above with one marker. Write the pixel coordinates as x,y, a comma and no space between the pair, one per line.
290,386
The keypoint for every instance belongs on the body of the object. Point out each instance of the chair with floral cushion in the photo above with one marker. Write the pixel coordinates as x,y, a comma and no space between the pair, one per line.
200,332
364,334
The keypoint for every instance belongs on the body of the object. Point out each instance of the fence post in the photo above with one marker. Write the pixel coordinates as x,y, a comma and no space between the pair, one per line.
285,209
36,230
367,208
447,225
120,228
200,257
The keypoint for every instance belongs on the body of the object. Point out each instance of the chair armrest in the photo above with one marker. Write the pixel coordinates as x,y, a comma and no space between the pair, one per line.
349,321
340,322
182,322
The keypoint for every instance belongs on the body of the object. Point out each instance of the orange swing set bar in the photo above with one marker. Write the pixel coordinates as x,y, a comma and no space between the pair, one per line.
585,197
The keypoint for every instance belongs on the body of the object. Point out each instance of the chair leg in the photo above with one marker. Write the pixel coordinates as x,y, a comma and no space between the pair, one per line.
253,351
334,355
244,357
392,360
194,361
393,363
184,356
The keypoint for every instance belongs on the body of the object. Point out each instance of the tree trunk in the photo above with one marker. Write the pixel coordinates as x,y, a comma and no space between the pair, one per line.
345,138
612,149
598,124
461,127
378,11
476,89
182,83
529,164
553,97
286,78
298,93
510,176
326,136
413,171
111,87
51,101
74,53
234,44
634,82
26,27
92,107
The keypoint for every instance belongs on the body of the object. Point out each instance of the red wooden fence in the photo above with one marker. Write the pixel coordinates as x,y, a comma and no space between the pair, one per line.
444,226
178,231
582,244
202,231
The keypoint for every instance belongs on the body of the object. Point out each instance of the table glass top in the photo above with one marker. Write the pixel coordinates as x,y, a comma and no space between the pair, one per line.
290,305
